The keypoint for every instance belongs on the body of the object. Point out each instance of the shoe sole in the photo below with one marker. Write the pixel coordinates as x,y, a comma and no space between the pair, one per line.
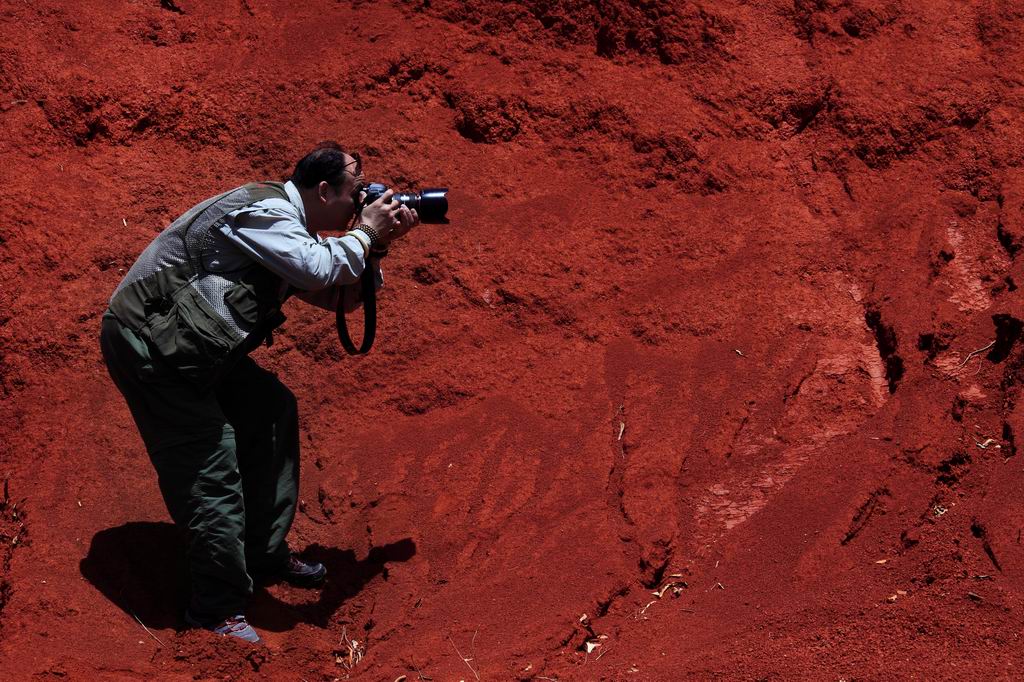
194,624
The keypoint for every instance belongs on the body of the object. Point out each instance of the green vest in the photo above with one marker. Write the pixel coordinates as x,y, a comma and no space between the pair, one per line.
195,319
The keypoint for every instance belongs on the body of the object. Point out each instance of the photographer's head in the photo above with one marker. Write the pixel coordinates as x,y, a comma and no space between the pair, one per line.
329,180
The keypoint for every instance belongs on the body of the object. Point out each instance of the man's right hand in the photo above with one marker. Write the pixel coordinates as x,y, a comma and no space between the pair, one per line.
383,216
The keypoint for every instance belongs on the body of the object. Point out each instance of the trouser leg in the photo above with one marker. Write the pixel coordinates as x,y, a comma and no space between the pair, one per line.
202,488
192,447
264,415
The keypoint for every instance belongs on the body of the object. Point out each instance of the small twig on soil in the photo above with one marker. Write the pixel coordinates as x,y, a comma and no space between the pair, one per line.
601,653
351,653
674,585
972,354
148,631
464,659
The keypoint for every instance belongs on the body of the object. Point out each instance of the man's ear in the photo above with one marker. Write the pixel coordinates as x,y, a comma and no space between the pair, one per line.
321,190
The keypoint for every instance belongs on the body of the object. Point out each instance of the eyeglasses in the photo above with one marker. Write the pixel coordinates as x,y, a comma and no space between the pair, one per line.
358,175
358,161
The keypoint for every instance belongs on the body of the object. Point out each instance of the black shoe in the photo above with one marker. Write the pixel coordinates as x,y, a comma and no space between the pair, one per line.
300,574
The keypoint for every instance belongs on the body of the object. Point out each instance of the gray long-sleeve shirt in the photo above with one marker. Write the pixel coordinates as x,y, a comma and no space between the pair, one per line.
273,233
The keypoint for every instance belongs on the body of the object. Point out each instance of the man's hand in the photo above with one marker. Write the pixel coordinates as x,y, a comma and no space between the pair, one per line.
391,219
382,215
407,219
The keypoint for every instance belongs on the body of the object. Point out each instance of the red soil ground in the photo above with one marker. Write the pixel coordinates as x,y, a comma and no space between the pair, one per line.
697,357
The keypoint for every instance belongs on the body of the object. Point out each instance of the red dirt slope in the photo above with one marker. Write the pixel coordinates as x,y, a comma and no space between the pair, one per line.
714,374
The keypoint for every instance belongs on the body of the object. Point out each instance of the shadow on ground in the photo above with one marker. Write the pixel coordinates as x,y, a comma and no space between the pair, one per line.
141,568
346,577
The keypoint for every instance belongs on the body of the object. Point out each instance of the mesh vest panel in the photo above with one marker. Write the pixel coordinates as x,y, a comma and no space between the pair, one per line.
191,318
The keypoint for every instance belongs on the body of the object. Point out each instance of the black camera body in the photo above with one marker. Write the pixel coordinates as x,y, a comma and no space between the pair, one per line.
430,204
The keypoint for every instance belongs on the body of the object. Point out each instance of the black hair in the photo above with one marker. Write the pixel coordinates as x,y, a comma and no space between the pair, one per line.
325,162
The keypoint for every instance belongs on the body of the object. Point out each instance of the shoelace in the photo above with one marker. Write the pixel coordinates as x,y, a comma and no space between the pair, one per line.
234,624
297,566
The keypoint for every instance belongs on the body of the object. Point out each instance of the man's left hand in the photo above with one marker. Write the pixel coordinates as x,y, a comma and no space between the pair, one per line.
406,219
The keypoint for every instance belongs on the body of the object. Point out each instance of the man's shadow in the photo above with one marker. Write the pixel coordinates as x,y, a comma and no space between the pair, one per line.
141,568
346,576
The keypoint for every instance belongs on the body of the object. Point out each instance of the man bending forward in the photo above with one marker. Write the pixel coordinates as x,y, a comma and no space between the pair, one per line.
221,432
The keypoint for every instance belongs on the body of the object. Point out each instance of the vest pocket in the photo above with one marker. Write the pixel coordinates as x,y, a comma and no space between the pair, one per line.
189,337
258,308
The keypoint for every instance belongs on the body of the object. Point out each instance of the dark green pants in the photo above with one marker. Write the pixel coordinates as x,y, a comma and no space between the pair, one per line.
227,463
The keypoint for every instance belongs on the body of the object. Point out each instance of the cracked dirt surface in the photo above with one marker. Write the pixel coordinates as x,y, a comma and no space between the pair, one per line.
715,373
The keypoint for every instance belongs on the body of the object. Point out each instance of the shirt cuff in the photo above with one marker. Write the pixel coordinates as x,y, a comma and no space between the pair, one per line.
362,239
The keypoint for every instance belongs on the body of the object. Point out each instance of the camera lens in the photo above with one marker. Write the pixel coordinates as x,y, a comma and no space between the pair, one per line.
408,200
432,205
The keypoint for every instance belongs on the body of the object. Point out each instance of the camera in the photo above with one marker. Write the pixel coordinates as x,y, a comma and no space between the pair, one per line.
430,204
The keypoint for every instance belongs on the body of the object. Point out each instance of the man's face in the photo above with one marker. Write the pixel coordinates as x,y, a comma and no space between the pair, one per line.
339,203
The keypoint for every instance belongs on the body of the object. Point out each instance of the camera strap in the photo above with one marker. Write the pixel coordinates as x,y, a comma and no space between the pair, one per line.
368,288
